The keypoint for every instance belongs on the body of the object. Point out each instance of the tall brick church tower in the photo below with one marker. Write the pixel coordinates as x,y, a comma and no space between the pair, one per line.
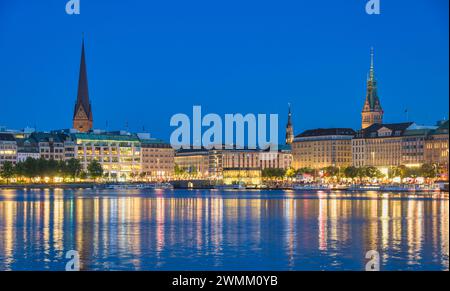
372,111
82,115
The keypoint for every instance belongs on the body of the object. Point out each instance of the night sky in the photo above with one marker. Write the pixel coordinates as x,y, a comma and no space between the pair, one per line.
148,60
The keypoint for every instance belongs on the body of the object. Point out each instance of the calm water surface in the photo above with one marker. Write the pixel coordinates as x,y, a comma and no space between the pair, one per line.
222,230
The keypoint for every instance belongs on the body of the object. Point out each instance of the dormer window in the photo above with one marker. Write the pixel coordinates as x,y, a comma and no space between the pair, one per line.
384,132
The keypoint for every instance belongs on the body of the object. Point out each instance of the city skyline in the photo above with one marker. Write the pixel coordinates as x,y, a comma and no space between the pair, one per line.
149,112
226,143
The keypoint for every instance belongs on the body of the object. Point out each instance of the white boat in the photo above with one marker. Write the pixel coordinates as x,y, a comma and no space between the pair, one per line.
161,186
396,188
122,186
311,187
139,186
228,187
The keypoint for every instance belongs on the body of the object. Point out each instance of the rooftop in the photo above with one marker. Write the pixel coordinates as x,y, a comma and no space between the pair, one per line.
7,137
154,142
397,129
326,131
103,137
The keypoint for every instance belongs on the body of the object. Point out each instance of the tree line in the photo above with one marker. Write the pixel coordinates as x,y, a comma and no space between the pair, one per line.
426,170
30,169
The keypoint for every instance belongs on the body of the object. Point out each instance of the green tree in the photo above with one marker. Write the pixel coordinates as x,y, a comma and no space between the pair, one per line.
62,169
274,173
95,169
290,173
30,168
394,172
403,171
373,172
73,168
83,175
351,172
178,171
413,172
20,171
429,171
42,168
7,171
331,171
361,172
52,168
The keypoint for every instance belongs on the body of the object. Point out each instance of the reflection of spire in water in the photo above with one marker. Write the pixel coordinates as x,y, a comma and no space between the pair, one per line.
290,215
160,224
444,228
323,224
385,223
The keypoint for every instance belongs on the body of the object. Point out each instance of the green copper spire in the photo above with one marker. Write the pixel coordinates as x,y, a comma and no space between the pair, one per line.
372,72
372,111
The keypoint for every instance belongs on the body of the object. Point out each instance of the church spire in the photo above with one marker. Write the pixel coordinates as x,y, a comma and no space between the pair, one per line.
289,114
372,71
289,129
372,111
82,116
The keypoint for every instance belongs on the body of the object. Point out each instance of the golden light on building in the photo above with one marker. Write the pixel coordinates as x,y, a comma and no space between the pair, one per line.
320,148
246,176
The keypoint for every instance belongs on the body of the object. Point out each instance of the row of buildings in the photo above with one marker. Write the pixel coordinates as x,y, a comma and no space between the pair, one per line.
379,145
376,144
125,155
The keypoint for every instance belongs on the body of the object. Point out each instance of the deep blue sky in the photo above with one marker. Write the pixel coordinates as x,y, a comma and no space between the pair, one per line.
148,60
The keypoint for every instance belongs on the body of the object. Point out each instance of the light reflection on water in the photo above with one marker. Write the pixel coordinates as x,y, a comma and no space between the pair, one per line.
216,230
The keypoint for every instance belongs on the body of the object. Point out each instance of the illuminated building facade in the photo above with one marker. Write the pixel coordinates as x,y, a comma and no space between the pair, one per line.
323,147
385,145
119,154
241,158
50,146
27,148
157,159
8,149
213,163
247,176
194,162
379,145
281,159
436,147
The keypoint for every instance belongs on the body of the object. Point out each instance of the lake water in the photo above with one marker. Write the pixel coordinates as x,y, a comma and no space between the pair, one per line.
222,230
